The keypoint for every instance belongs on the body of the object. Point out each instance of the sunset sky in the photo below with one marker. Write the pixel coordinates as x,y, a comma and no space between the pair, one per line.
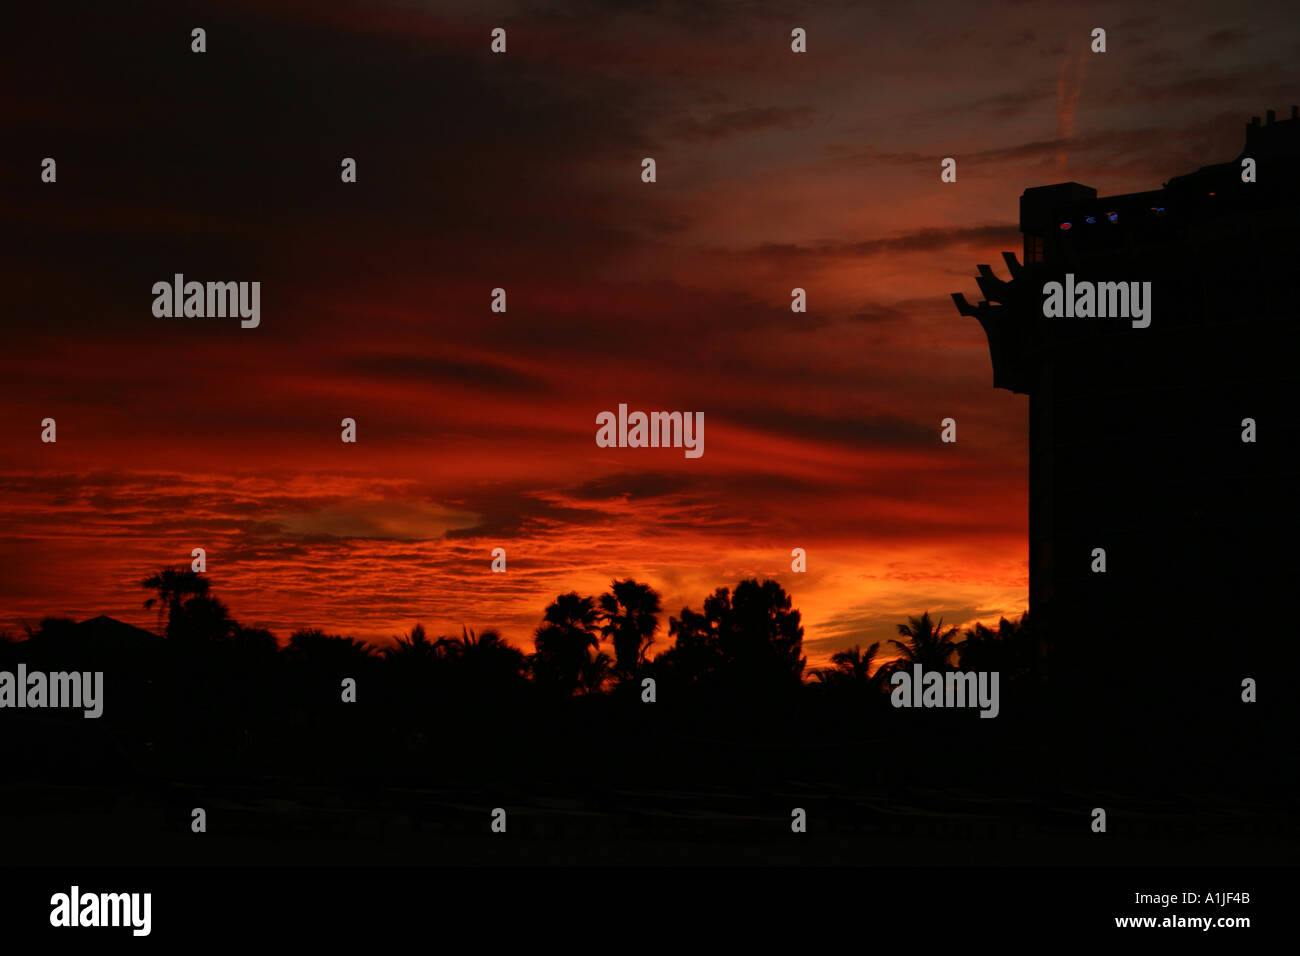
522,171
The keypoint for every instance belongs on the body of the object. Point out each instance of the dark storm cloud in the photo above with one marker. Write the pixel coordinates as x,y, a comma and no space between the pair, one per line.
855,427
921,240
518,511
1260,82
736,122
1000,106
418,368
1223,39
877,312
701,14
229,162
634,485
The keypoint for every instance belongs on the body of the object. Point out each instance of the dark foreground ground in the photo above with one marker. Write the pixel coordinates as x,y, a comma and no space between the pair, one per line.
615,781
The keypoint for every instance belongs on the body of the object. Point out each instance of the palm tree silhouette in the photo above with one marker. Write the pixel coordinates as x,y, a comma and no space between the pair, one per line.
417,648
695,655
201,619
852,665
566,641
631,618
317,650
1009,648
174,587
928,643
486,659
255,642
595,672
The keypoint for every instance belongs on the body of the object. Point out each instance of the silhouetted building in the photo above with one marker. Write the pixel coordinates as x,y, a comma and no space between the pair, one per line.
1135,434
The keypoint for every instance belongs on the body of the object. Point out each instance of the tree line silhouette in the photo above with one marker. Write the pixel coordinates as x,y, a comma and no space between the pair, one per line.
210,695
747,638
208,705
